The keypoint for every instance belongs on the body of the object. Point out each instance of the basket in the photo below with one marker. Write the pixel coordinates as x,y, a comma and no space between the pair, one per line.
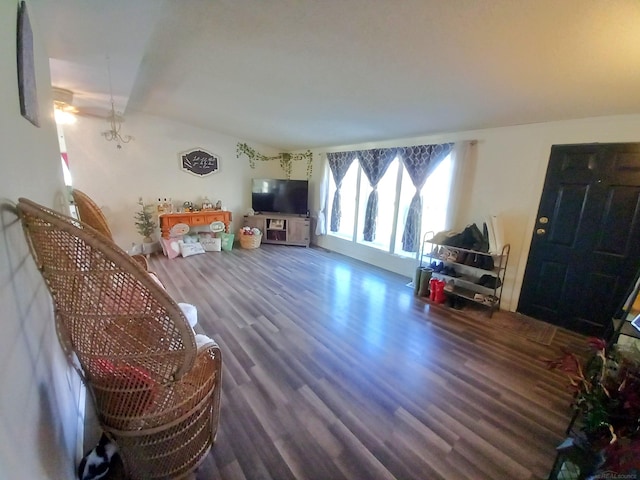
250,241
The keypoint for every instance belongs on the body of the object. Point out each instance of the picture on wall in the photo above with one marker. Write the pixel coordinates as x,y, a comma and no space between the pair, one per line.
26,68
199,162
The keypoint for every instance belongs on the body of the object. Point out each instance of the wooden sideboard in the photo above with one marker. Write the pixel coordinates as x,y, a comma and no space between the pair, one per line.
193,219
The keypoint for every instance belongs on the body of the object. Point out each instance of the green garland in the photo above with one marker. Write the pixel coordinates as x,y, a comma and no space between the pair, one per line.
285,159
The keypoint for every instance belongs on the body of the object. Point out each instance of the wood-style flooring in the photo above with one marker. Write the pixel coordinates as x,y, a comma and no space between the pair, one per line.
334,370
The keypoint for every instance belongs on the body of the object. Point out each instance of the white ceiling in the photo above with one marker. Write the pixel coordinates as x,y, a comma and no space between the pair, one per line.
297,74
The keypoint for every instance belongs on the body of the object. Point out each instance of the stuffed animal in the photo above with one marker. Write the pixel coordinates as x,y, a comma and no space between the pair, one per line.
97,462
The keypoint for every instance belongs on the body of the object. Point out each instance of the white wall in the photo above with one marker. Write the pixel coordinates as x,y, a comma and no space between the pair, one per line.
39,403
148,166
508,169
505,176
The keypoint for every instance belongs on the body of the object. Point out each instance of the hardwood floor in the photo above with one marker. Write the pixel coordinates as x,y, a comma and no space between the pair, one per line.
334,370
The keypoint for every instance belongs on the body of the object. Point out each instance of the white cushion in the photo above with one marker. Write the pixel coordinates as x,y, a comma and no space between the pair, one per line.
202,340
188,249
211,244
191,312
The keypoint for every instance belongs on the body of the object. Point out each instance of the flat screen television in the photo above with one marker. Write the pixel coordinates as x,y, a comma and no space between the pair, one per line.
271,195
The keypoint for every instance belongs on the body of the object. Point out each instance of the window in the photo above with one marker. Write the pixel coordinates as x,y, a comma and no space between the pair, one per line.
395,192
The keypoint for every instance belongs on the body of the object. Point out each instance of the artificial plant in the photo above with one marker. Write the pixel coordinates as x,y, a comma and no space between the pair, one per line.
285,159
145,223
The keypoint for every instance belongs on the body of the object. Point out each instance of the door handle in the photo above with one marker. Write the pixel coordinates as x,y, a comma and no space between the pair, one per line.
540,231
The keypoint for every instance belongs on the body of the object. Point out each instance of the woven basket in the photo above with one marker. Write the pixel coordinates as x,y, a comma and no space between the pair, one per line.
250,241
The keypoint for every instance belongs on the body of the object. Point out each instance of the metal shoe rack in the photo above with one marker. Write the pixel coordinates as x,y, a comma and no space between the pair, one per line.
469,281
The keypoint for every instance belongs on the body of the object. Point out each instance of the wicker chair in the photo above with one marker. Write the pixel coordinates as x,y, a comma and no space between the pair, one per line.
155,391
91,214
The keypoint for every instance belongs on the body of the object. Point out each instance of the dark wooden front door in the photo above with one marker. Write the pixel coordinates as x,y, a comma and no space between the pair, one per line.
585,249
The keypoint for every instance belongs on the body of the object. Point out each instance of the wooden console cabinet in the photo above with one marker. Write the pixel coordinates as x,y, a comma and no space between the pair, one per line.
193,219
282,229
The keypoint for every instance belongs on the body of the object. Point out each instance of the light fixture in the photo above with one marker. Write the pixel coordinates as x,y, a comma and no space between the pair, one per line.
115,121
63,110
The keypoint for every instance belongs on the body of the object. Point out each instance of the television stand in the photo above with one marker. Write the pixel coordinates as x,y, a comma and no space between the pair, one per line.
281,228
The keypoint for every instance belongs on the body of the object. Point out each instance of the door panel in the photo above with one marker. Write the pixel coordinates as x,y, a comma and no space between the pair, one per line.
564,228
547,297
584,257
614,235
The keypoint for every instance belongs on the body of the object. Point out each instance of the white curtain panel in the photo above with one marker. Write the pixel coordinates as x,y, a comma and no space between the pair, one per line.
321,224
460,160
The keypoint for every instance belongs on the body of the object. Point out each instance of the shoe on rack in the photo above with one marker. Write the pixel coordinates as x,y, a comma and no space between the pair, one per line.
451,255
490,300
452,272
489,281
478,297
449,286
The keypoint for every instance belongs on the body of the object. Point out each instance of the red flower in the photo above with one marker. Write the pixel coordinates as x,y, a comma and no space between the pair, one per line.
596,344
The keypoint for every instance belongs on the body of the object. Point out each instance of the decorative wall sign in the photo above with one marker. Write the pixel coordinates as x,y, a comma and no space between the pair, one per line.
199,162
26,68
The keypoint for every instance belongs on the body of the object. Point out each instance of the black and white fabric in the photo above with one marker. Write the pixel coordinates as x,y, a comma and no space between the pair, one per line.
96,463
419,161
339,164
374,163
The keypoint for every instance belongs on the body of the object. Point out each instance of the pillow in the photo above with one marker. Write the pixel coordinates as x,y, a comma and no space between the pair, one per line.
202,340
133,385
188,249
210,243
190,238
155,278
190,312
171,246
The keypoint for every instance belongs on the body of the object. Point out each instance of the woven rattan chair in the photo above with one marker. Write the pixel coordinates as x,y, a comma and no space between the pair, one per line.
155,392
91,214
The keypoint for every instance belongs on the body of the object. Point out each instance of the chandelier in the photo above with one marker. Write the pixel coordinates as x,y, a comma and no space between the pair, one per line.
115,121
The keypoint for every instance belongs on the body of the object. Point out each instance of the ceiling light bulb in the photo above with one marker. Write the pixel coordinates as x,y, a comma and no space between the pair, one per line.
63,109
63,117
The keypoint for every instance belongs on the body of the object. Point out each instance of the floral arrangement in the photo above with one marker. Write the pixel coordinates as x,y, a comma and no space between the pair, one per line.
607,400
250,231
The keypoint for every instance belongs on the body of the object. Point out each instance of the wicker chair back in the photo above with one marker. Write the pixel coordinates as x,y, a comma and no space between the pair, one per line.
90,213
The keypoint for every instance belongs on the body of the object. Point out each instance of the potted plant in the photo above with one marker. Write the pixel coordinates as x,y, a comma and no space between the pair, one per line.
606,404
145,225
